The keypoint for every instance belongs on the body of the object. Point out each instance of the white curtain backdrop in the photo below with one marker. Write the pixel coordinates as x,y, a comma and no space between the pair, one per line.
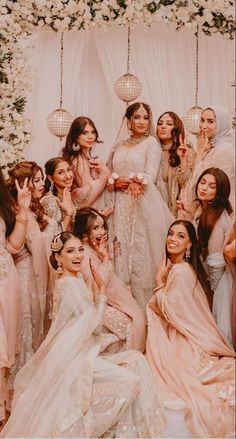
163,58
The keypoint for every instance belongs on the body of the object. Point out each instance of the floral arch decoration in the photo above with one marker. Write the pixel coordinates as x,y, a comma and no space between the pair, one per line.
20,18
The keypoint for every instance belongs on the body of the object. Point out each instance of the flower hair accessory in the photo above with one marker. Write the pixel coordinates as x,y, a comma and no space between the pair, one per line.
56,244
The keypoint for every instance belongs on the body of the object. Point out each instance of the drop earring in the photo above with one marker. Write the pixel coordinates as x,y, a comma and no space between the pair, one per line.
59,269
51,188
187,254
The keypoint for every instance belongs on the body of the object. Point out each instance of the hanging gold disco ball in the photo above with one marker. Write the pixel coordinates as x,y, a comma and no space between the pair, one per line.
128,87
59,122
192,119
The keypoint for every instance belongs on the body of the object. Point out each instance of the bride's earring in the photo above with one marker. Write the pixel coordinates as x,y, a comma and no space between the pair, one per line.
59,269
76,147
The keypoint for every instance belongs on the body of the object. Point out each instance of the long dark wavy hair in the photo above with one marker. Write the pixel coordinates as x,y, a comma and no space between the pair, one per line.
214,209
7,206
194,258
50,167
84,221
178,130
21,171
77,128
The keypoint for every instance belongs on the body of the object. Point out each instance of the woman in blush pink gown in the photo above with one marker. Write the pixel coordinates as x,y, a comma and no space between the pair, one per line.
90,175
192,361
32,263
124,325
12,236
57,201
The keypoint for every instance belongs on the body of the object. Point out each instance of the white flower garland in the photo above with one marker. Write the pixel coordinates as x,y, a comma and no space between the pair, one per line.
20,18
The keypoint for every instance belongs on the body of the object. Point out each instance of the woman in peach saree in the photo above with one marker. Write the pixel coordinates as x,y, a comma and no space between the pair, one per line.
192,362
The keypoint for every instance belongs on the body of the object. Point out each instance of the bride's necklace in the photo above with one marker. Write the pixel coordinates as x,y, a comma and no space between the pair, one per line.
135,140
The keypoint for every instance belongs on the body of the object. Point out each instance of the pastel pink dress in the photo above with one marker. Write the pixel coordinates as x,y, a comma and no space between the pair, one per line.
9,309
33,269
124,325
89,184
193,363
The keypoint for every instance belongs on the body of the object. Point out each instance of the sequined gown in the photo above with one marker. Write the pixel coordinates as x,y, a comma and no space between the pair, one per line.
68,390
9,311
138,228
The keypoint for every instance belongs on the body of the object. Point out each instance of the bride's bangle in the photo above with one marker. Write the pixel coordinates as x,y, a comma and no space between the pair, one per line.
158,288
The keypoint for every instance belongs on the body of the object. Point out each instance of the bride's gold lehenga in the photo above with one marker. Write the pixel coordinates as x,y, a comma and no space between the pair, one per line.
68,390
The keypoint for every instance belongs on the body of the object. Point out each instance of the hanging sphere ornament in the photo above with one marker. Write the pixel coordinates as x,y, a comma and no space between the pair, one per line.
59,122
128,87
192,118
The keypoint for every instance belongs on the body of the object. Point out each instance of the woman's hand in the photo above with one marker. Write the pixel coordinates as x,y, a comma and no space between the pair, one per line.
97,278
23,196
99,167
66,203
183,205
182,150
230,251
136,190
203,143
102,248
122,184
107,211
163,271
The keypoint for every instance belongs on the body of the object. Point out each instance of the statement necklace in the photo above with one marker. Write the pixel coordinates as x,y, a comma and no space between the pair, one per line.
135,140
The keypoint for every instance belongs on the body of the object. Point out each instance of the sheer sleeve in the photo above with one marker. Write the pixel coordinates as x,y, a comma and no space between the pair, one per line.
153,159
100,305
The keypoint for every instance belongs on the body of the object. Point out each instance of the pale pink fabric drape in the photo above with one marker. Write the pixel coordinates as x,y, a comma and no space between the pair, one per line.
189,356
163,58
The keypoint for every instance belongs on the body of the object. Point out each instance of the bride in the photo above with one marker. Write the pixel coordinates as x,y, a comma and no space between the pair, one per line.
67,389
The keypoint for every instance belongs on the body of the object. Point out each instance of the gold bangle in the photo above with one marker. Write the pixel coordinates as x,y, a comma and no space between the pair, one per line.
21,220
158,288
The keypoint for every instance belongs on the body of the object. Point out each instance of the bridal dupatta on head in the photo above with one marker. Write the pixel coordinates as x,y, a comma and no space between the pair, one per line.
190,358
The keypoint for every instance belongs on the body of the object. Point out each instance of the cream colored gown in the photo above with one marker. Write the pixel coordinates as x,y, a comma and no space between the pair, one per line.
68,390
139,227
